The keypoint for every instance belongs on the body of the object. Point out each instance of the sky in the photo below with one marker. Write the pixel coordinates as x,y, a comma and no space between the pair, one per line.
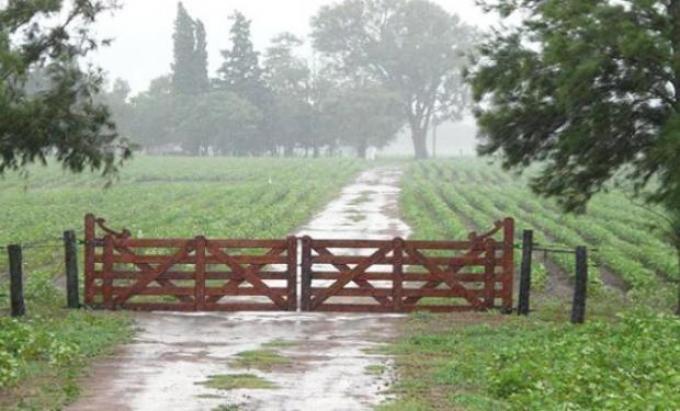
142,30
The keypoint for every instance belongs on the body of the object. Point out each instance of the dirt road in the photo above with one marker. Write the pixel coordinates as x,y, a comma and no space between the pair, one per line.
262,361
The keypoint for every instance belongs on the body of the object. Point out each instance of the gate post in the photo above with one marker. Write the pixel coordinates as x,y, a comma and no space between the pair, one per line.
508,263
89,258
397,274
489,273
199,280
107,272
291,255
306,283
525,273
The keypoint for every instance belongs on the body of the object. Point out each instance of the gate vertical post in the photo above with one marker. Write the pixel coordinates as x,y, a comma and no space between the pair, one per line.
508,263
306,282
16,281
489,273
397,274
71,264
291,255
107,272
525,273
199,279
578,312
89,258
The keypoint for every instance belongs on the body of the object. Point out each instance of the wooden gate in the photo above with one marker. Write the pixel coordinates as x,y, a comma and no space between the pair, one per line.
404,276
187,274
337,275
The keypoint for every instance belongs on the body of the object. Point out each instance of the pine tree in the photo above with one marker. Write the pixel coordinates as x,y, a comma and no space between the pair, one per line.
183,71
241,74
201,58
241,68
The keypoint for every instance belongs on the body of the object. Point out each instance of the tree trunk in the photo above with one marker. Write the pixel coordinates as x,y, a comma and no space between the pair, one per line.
419,137
361,150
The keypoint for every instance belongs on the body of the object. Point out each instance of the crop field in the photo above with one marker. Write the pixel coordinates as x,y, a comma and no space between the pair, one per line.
447,199
173,197
625,358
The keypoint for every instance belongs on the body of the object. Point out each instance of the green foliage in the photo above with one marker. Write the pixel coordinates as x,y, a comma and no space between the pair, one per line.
588,89
190,65
47,101
633,364
58,340
242,74
630,363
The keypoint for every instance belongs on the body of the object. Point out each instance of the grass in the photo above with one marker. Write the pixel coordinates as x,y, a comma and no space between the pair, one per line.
375,369
43,355
279,343
630,363
226,382
262,359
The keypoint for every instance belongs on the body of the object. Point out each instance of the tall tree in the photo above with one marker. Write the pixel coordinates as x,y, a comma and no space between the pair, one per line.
288,76
184,47
201,58
591,91
364,115
413,47
241,68
61,116
241,73
154,117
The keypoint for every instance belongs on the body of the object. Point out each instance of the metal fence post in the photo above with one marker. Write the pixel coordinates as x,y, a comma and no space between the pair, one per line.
578,312
525,273
16,283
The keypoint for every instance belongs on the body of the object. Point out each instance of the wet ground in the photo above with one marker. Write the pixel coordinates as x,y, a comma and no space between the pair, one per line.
331,359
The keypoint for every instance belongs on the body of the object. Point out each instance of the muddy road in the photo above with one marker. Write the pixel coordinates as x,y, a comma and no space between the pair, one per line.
263,361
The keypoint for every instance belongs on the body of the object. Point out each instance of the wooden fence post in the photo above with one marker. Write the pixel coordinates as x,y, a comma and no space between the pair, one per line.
489,273
292,257
525,273
200,244
398,275
89,258
306,274
71,264
16,284
508,264
578,311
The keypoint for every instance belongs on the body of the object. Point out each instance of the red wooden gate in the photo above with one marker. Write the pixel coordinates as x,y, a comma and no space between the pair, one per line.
404,276
337,275
187,274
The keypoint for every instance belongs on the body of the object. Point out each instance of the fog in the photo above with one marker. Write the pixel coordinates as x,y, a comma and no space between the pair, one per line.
293,78
141,30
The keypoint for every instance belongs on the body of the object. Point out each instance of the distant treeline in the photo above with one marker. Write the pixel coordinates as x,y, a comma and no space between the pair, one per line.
378,67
